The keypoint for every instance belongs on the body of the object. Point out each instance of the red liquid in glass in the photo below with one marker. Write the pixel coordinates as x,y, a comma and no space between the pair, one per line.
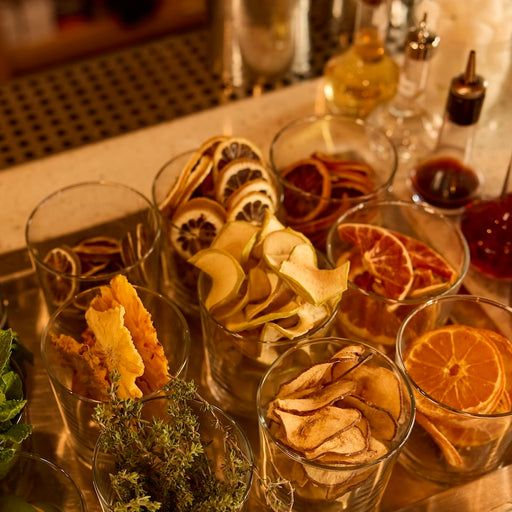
487,226
445,182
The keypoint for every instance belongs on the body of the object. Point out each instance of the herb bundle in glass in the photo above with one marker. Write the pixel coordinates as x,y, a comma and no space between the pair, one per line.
171,452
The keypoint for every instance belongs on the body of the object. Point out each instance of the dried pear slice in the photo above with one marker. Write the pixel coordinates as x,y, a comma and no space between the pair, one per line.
352,441
381,386
383,424
308,379
327,395
376,450
307,432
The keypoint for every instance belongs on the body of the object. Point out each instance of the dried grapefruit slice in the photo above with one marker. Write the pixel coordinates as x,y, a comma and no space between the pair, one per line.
195,224
384,256
457,366
308,175
60,285
234,148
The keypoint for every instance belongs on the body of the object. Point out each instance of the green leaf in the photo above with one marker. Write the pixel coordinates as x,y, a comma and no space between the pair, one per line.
9,409
7,339
11,386
16,434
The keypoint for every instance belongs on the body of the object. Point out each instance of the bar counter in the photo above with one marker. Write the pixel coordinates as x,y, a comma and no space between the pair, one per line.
134,158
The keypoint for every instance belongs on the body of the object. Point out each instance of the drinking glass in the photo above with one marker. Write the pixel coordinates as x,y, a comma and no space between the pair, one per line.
75,408
34,481
360,161
323,486
369,314
82,235
447,445
213,425
234,363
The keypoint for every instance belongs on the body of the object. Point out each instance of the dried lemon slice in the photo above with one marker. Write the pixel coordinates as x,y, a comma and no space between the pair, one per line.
195,224
236,174
251,207
60,285
232,149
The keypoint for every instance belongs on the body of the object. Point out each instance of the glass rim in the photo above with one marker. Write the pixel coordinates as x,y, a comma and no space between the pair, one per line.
56,468
424,209
102,276
187,341
315,118
399,350
405,387
233,424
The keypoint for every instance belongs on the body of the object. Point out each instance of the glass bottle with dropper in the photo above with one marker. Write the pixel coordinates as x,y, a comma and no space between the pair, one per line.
364,75
411,127
446,178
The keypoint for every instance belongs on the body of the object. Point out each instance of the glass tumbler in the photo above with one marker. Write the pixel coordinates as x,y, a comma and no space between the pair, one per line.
389,278
326,165
461,432
82,235
213,425
326,475
77,409
35,483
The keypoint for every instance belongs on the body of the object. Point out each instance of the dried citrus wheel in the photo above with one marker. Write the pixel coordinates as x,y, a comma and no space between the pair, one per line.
60,285
457,366
237,173
258,185
191,177
195,224
251,207
97,245
384,257
209,146
311,176
232,149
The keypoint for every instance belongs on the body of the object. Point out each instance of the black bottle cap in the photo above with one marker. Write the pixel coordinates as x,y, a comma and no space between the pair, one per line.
466,95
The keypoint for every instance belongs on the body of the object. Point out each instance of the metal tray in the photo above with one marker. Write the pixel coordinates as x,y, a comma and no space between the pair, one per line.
27,315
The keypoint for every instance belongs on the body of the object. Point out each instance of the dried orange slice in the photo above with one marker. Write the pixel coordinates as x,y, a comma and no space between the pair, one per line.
237,173
209,146
384,257
97,246
310,192
60,285
232,149
195,224
457,366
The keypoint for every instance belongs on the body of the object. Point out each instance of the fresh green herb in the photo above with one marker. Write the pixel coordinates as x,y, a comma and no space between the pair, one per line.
12,400
162,465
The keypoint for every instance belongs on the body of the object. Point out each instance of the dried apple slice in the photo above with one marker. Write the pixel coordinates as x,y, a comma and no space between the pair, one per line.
278,245
317,285
234,238
376,450
226,274
307,432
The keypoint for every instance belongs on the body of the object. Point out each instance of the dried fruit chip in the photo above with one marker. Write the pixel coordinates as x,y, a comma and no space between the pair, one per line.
60,285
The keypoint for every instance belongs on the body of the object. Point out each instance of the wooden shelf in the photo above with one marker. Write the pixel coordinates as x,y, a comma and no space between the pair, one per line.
99,36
